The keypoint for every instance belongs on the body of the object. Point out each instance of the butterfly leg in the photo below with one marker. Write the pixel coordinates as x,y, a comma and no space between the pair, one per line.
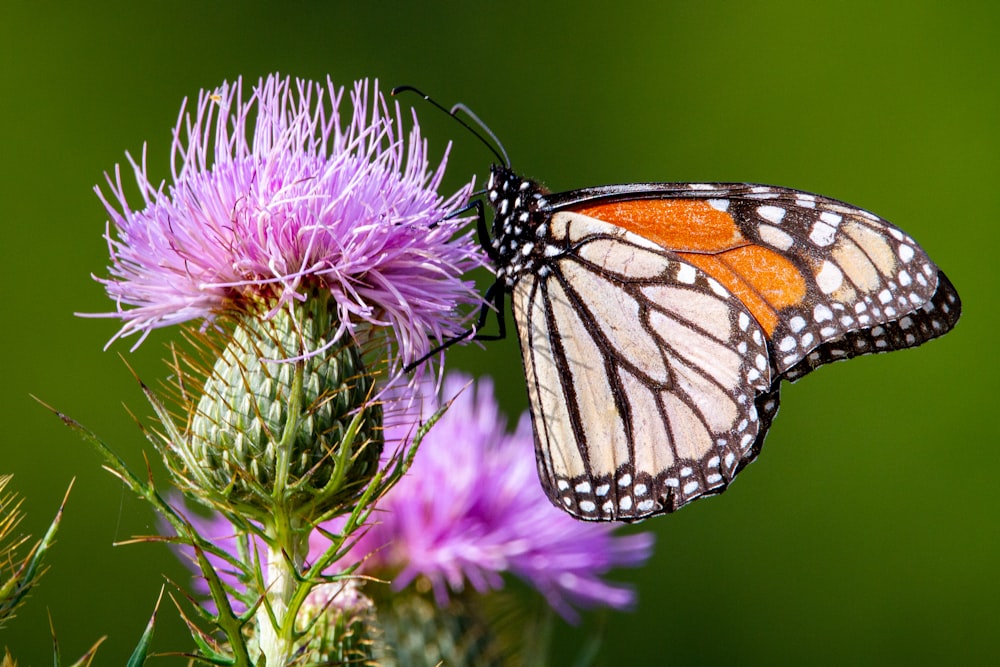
492,300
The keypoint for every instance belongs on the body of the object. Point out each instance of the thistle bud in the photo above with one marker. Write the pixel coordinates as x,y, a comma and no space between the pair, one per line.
281,421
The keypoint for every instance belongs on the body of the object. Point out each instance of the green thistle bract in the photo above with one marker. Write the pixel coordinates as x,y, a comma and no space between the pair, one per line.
280,424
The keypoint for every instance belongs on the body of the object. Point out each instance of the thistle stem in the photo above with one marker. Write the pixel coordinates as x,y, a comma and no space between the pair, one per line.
275,620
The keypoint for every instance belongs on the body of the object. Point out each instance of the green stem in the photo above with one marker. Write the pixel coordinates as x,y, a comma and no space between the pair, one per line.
287,546
284,552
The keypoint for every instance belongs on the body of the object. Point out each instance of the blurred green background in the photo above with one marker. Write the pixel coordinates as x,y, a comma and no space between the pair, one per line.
866,532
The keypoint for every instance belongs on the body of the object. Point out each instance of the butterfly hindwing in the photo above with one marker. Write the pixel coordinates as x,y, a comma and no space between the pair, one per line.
644,374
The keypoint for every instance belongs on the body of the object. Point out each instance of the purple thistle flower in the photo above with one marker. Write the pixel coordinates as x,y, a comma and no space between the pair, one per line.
471,508
277,196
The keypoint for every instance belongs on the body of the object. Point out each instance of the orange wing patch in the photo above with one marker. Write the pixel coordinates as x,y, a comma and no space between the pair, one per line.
763,279
675,224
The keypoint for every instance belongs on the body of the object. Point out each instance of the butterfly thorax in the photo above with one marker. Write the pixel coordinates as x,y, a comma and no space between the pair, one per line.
520,233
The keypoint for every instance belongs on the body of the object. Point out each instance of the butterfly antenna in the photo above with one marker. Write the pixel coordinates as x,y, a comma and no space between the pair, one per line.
484,127
500,154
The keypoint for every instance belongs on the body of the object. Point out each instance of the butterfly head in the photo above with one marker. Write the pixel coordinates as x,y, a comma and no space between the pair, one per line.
520,211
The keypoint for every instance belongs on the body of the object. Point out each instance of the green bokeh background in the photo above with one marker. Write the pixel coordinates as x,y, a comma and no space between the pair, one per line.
867,531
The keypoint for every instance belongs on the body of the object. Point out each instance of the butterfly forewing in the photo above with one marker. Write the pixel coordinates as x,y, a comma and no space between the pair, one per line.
643,374
812,270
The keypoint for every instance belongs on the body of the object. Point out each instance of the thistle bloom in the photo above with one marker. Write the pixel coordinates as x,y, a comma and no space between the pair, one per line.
276,197
470,509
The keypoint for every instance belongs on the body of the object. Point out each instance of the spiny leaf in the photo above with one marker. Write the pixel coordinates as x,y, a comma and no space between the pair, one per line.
138,657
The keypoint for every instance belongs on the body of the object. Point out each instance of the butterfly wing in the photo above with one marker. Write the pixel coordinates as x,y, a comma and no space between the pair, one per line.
824,279
649,382
657,320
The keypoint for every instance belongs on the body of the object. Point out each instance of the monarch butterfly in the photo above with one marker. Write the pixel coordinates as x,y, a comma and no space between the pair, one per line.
657,320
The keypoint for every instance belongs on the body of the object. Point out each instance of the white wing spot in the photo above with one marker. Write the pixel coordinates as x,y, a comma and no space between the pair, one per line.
829,279
821,313
796,324
770,213
774,237
787,344
686,274
718,288
822,234
905,253
719,204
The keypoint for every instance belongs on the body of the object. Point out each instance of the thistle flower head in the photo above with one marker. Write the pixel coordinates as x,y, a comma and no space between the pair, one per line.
277,195
471,509
302,436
